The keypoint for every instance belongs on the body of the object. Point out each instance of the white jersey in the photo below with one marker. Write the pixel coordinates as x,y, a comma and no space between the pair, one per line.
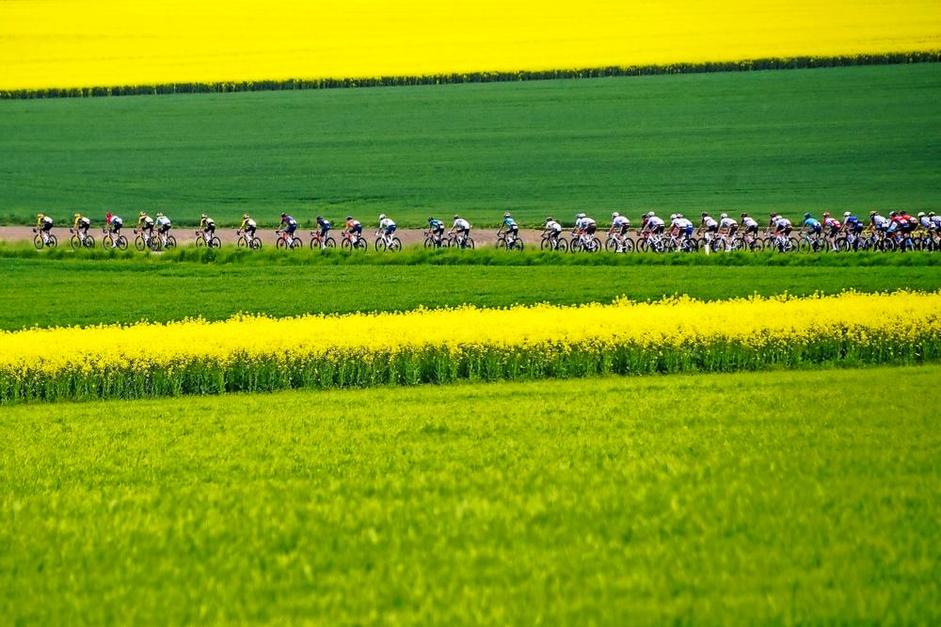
620,221
584,223
880,222
727,223
682,223
386,223
250,224
654,222
749,222
552,225
925,222
163,221
710,222
781,222
461,223
47,220
936,222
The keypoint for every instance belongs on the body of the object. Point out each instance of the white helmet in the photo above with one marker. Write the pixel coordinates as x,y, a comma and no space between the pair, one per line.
650,214
679,215
921,214
673,216
615,215
579,216
723,216
846,214
382,216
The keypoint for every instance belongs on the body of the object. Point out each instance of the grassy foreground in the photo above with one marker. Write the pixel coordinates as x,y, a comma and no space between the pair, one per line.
52,292
704,499
845,138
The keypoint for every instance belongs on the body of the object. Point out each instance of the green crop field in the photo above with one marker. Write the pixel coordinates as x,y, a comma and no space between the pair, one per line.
848,138
754,498
53,292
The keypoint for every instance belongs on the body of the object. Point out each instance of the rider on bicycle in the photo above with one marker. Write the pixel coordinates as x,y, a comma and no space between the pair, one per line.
81,224
812,225
163,226
289,225
207,225
619,224
248,227
436,227
146,225
509,226
585,226
461,228
115,223
354,228
681,226
832,225
878,221
852,224
751,226
652,224
44,224
552,229
935,221
924,220
727,225
780,224
325,227
386,225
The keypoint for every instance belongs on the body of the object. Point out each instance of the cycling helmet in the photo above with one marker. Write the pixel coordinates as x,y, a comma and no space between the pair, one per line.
203,216
245,216
506,214
284,215
650,214
382,216
921,214
42,215
931,214
550,219
429,219
457,217
349,217
774,214
744,215
673,216
872,213
159,215
846,214
705,214
319,218
77,215
807,216
142,214
615,215
580,216
723,216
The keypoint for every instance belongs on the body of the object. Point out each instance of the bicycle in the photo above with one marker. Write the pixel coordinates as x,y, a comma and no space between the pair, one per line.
682,244
781,243
244,242
509,241
108,240
651,242
811,242
317,241
142,243
387,241
288,241
553,241
461,240
162,241
352,241
434,240
211,242
80,240
43,238
619,243
583,242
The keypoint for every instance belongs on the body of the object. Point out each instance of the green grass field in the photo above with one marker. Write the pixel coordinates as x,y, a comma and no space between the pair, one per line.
753,499
849,138
51,292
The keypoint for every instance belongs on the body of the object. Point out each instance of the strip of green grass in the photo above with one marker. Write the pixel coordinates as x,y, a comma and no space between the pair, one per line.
842,138
699,500
48,292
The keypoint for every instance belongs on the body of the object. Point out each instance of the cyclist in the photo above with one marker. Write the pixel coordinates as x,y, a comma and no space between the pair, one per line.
619,224
114,223
163,227
353,228
727,225
461,228
924,220
585,226
781,225
878,221
652,224
552,230
510,227
436,227
248,227
44,224
288,224
751,226
81,224
709,225
208,226
681,226
146,225
386,225
935,221
853,227
812,225
324,226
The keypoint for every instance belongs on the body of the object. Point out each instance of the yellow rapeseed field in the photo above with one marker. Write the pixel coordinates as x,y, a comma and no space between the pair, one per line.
74,43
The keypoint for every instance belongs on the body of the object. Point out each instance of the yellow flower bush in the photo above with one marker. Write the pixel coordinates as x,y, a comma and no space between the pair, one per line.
82,43
256,352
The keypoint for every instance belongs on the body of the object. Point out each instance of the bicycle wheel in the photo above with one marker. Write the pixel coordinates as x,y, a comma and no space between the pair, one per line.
469,243
380,244
107,242
627,245
242,242
171,241
314,243
200,241
38,242
611,245
518,244
256,243
330,243
545,243
121,242
215,242
395,245
89,242
643,245
53,241
297,242
74,242
139,243
281,243
361,244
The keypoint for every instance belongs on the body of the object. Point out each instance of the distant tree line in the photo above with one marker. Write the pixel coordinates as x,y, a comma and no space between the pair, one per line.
791,63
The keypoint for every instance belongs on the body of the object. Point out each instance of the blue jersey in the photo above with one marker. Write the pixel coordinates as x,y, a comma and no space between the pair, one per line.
852,221
435,224
289,221
509,222
324,224
812,223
